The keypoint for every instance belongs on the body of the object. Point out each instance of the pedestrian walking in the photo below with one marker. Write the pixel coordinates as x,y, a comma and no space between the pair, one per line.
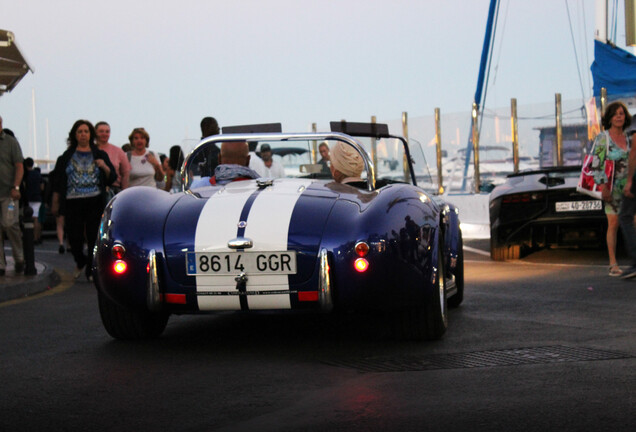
33,195
116,155
11,173
82,174
145,166
613,145
627,212
173,170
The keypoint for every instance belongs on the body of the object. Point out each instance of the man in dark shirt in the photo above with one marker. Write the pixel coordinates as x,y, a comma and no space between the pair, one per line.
33,192
210,127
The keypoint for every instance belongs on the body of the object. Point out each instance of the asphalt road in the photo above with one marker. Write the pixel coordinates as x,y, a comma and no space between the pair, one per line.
544,343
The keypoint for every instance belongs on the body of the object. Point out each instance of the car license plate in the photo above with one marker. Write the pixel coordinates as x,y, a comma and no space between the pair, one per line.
571,206
234,263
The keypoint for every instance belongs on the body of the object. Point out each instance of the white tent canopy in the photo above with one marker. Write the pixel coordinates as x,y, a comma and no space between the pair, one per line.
13,66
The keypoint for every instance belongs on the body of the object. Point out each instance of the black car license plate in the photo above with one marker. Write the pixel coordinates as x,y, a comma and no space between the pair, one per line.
572,206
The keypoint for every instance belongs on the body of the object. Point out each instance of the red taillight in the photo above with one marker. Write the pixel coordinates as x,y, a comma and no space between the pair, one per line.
118,251
309,296
175,298
516,198
362,249
361,265
522,198
120,267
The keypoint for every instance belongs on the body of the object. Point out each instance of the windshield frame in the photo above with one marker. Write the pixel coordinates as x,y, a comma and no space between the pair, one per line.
292,137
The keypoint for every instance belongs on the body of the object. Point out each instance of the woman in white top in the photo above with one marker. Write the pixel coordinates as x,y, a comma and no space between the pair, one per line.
145,168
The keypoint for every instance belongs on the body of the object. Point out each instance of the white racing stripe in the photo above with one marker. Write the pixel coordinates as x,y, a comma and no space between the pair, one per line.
217,224
267,226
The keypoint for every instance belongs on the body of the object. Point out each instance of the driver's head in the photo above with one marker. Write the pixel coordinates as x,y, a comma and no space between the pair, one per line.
234,152
346,160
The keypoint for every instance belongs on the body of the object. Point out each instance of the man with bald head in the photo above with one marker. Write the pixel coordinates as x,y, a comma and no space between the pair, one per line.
235,153
234,160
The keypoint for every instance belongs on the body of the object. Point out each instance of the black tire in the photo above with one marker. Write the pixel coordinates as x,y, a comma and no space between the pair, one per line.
127,324
458,297
427,321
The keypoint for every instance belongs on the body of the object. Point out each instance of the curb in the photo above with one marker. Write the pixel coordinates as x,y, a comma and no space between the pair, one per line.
20,286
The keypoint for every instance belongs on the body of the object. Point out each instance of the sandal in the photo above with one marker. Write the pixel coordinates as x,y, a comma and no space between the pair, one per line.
615,270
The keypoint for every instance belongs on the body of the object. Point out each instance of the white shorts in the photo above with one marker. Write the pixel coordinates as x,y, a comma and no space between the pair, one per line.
35,205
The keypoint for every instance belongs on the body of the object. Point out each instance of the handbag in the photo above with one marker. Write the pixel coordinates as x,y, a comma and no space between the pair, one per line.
586,184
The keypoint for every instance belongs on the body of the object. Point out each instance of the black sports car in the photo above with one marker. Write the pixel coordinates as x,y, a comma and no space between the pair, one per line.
541,208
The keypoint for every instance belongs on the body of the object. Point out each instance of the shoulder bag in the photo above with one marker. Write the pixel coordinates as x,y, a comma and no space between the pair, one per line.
586,184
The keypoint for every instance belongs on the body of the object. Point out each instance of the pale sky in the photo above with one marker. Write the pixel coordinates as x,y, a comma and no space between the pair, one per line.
165,65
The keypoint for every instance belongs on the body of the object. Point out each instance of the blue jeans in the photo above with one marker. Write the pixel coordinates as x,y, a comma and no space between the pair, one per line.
626,219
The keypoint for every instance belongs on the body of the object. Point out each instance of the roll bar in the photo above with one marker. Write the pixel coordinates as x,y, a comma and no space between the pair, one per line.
186,172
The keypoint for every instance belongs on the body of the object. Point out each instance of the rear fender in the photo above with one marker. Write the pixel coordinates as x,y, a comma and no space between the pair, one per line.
400,225
135,220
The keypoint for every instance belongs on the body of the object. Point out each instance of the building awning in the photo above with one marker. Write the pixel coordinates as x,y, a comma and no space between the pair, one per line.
13,66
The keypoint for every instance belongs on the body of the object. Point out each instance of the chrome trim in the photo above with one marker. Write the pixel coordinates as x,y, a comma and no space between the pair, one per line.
441,276
242,278
355,248
153,295
324,286
240,243
451,287
264,182
113,247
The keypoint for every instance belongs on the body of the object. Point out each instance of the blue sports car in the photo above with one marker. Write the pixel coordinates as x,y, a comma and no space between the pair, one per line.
300,243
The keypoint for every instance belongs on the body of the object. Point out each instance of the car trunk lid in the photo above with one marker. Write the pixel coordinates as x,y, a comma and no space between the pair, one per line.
283,216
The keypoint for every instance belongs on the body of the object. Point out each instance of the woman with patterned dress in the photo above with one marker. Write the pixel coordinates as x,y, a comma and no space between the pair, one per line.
612,144
80,179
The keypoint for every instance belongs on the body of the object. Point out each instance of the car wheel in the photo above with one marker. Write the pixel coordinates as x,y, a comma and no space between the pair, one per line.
458,297
124,323
428,321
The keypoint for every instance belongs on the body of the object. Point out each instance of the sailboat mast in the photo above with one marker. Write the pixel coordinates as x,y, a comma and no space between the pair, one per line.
35,145
48,144
600,14
483,66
